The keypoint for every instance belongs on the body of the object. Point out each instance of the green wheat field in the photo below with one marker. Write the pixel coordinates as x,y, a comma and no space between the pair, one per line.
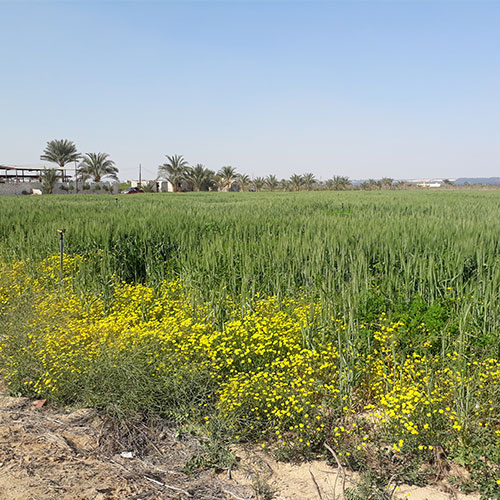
278,319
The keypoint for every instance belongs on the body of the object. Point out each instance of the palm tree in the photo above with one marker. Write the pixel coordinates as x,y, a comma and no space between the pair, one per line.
49,179
401,185
149,187
61,152
386,182
228,175
284,184
370,184
243,180
271,182
338,183
219,182
258,183
200,177
296,182
174,171
330,184
308,180
96,166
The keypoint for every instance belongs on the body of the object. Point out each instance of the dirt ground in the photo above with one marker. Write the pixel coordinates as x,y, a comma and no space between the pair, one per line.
55,454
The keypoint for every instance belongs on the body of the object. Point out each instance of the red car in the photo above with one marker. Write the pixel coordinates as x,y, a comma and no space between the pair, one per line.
133,190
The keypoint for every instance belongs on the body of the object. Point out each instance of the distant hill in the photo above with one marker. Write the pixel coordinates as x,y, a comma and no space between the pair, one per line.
491,181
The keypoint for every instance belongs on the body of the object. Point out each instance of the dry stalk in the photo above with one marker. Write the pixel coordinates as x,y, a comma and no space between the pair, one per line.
316,484
340,468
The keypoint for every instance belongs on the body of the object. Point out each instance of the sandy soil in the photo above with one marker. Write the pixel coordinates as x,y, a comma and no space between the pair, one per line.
317,480
54,454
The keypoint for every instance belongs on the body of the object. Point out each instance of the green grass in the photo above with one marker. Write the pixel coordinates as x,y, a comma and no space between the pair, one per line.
387,248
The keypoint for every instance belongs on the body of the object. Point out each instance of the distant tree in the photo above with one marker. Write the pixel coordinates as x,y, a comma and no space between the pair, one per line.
447,182
96,166
401,185
271,182
309,181
174,171
338,183
244,181
259,183
296,182
386,182
329,184
219,182
370,184
284,184
229,175
49,180
149,187
61,152
199,177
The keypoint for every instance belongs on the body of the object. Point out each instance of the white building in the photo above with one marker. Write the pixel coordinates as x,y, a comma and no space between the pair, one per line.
158,185
429,184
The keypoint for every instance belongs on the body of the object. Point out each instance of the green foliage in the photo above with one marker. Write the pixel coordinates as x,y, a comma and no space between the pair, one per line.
227,176
49,180
97,166
60,151
174,170
200,178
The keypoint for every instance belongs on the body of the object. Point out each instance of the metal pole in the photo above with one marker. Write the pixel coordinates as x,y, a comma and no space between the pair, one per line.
61,249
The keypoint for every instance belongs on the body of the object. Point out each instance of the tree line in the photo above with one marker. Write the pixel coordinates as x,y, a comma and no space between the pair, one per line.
183,177
199,178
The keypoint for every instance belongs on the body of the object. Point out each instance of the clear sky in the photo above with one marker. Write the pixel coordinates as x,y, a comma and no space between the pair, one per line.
364,89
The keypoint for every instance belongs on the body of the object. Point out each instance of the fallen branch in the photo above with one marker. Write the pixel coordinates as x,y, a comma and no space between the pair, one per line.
227,492
164,485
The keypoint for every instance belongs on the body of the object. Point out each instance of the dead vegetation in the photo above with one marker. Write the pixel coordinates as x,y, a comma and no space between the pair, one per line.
48,453
68,455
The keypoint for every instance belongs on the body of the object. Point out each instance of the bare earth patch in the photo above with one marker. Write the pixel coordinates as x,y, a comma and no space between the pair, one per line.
48,453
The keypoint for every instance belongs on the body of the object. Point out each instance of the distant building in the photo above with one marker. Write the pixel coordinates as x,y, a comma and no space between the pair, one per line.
157,185
430,184
16,180
31,174
433,183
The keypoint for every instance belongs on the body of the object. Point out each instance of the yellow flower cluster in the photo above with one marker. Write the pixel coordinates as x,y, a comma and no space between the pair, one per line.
417,393
268,381
271,381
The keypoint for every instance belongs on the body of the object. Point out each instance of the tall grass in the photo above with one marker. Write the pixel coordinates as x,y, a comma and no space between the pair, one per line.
387,247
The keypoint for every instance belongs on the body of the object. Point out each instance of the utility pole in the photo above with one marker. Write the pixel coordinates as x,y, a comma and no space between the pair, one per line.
140,175
76,179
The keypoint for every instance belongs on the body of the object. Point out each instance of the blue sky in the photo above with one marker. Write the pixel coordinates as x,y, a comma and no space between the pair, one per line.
364,89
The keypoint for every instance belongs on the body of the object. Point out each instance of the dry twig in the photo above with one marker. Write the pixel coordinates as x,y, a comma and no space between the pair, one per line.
164,485
340,468
316,484
227,492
